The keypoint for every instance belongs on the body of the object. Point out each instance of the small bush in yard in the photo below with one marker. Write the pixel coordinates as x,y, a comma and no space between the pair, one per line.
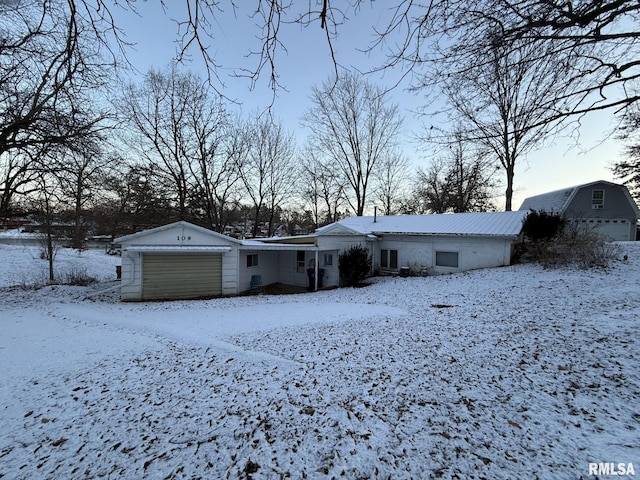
583,250
78,277
354,265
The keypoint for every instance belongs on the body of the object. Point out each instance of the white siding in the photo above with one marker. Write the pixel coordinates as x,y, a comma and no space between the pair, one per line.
287,268
418,252
230,272
267,268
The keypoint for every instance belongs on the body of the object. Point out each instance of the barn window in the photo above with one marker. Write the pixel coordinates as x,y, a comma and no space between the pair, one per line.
389,259
597,200
300,255
252,260
447,259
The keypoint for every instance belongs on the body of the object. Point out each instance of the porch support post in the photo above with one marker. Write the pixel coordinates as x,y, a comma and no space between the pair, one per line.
315,266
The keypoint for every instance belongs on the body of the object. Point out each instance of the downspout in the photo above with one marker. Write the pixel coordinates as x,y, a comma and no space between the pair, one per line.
315,288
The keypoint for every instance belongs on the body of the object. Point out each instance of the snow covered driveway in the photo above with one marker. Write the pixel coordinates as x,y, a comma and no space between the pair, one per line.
516,372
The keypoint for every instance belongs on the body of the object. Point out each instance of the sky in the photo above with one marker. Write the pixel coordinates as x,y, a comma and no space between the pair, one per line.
307,62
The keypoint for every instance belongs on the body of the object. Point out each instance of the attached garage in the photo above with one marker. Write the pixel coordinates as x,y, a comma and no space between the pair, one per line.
178,261
178,275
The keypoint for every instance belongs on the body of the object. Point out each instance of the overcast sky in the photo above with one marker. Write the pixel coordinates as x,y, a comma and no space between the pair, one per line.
307,62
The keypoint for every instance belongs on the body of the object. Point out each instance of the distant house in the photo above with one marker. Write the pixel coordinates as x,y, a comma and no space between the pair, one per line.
182,260
604,208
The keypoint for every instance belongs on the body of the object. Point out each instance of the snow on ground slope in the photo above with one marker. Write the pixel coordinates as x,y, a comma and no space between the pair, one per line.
516,372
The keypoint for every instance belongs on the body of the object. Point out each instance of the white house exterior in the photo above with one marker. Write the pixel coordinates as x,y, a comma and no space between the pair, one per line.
434,244
600,207
182,260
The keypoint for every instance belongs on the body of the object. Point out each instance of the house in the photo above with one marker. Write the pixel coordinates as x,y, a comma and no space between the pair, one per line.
434,244
182,260
601,207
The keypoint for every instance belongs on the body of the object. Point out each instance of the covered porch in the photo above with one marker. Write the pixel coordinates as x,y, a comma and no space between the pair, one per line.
290,268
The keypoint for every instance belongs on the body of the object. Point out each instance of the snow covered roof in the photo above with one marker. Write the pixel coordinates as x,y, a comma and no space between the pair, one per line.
558,200
179,248
472,224
552,202
179,224
260,245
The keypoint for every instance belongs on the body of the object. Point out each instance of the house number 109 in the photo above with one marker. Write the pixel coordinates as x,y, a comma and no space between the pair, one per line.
183,237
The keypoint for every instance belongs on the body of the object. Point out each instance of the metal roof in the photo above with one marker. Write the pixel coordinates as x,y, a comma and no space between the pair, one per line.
178,248
472,224
558,200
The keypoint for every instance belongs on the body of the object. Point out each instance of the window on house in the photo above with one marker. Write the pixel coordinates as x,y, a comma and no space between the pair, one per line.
597,199
300,255
328,259
447,259
389,259
393,258
252,260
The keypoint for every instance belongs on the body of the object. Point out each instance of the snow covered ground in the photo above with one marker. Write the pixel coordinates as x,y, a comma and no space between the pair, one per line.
516,372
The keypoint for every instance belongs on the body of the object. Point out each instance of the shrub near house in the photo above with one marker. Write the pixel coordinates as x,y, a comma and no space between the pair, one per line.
355,265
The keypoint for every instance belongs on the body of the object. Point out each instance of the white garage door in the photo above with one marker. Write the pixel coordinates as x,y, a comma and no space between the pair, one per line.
611,229
176,276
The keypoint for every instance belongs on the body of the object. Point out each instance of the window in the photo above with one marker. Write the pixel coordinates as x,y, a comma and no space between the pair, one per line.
252,260
597,200
389,259
300,261
447,259
328,259
393,258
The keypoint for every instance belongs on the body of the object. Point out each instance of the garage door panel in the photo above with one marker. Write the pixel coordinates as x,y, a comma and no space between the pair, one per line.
181,276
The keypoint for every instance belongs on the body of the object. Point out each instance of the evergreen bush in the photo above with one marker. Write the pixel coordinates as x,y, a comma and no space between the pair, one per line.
540,225
354,265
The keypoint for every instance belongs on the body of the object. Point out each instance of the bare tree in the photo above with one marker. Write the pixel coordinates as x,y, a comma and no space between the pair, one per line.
503,106
18,172
46,202
215,143
392,177
157,109
628,170
50,73
79,174
321,188
221,175
353,123
600,35
599,38
178,129
460,181
267,171
131,196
